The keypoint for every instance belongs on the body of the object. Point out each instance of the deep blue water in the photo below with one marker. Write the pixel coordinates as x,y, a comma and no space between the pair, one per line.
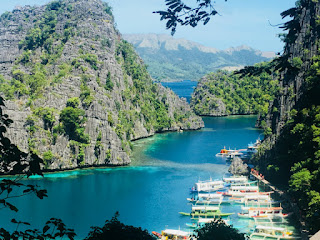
150,192
182,89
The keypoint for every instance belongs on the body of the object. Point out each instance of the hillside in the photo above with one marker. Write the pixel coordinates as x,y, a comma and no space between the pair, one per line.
224,93
171,59
290,154
77,93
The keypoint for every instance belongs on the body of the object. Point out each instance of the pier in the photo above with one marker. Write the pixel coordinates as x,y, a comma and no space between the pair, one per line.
283,195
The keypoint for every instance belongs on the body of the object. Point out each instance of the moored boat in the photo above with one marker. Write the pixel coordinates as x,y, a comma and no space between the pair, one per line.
208,186
262,212
172,234
205,212
241,190
271,232
235,179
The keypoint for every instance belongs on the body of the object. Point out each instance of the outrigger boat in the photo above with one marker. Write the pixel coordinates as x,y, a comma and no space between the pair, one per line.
208,186
271,232
171,234
262,212
254,199
209,199
231,153
241,190
199,200
205,211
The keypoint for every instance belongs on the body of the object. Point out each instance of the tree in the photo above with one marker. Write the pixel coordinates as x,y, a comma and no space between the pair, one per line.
180,13
218,229
114,229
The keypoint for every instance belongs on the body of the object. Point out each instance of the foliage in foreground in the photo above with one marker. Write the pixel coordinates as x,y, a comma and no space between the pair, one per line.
114,229
217,229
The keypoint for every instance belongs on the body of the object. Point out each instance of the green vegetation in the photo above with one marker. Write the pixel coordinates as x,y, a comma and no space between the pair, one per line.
109,84
114,229
72,120
297,158
91,59
218,229
240,95
154,109
47,115
191,63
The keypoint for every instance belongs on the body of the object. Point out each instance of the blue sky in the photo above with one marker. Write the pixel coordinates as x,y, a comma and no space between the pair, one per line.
240,21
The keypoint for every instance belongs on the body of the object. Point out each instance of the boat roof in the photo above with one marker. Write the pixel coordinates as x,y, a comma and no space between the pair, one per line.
263,197
235,178
205,208
210,195
262,208
270,228
176,232
211,181
244,188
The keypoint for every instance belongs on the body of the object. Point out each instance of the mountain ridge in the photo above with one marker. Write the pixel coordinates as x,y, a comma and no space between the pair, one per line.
171,59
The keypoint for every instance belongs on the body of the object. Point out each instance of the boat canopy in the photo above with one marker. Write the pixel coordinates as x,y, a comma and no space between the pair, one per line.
175,232
235,188
210,195
236,179
263,197
205,208
262,208
260,227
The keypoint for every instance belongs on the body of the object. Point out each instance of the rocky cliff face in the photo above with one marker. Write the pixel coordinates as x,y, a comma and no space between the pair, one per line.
301,46
205,103
77,93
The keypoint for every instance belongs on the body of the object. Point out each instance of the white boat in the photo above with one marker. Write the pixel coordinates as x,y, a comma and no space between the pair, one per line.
241,191
262,212
271,232
172,234
208,186
235,179
255,198
206,198
249,183
252,148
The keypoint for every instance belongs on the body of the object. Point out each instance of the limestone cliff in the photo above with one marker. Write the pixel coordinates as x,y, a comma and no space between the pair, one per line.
77,93
224,93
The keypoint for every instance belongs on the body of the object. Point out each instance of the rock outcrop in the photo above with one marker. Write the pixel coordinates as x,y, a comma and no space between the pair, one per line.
77,93
237,167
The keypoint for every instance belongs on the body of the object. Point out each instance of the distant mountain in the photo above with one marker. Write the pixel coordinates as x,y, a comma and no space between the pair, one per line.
171,59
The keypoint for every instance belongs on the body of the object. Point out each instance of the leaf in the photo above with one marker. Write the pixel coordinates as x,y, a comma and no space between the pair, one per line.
13,208
206,21
45,228
13,220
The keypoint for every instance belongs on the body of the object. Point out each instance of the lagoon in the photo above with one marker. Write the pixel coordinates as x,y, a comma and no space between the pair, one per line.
150,192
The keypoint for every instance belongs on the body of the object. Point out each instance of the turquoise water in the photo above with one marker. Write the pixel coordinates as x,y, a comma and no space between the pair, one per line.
150,192
182,89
